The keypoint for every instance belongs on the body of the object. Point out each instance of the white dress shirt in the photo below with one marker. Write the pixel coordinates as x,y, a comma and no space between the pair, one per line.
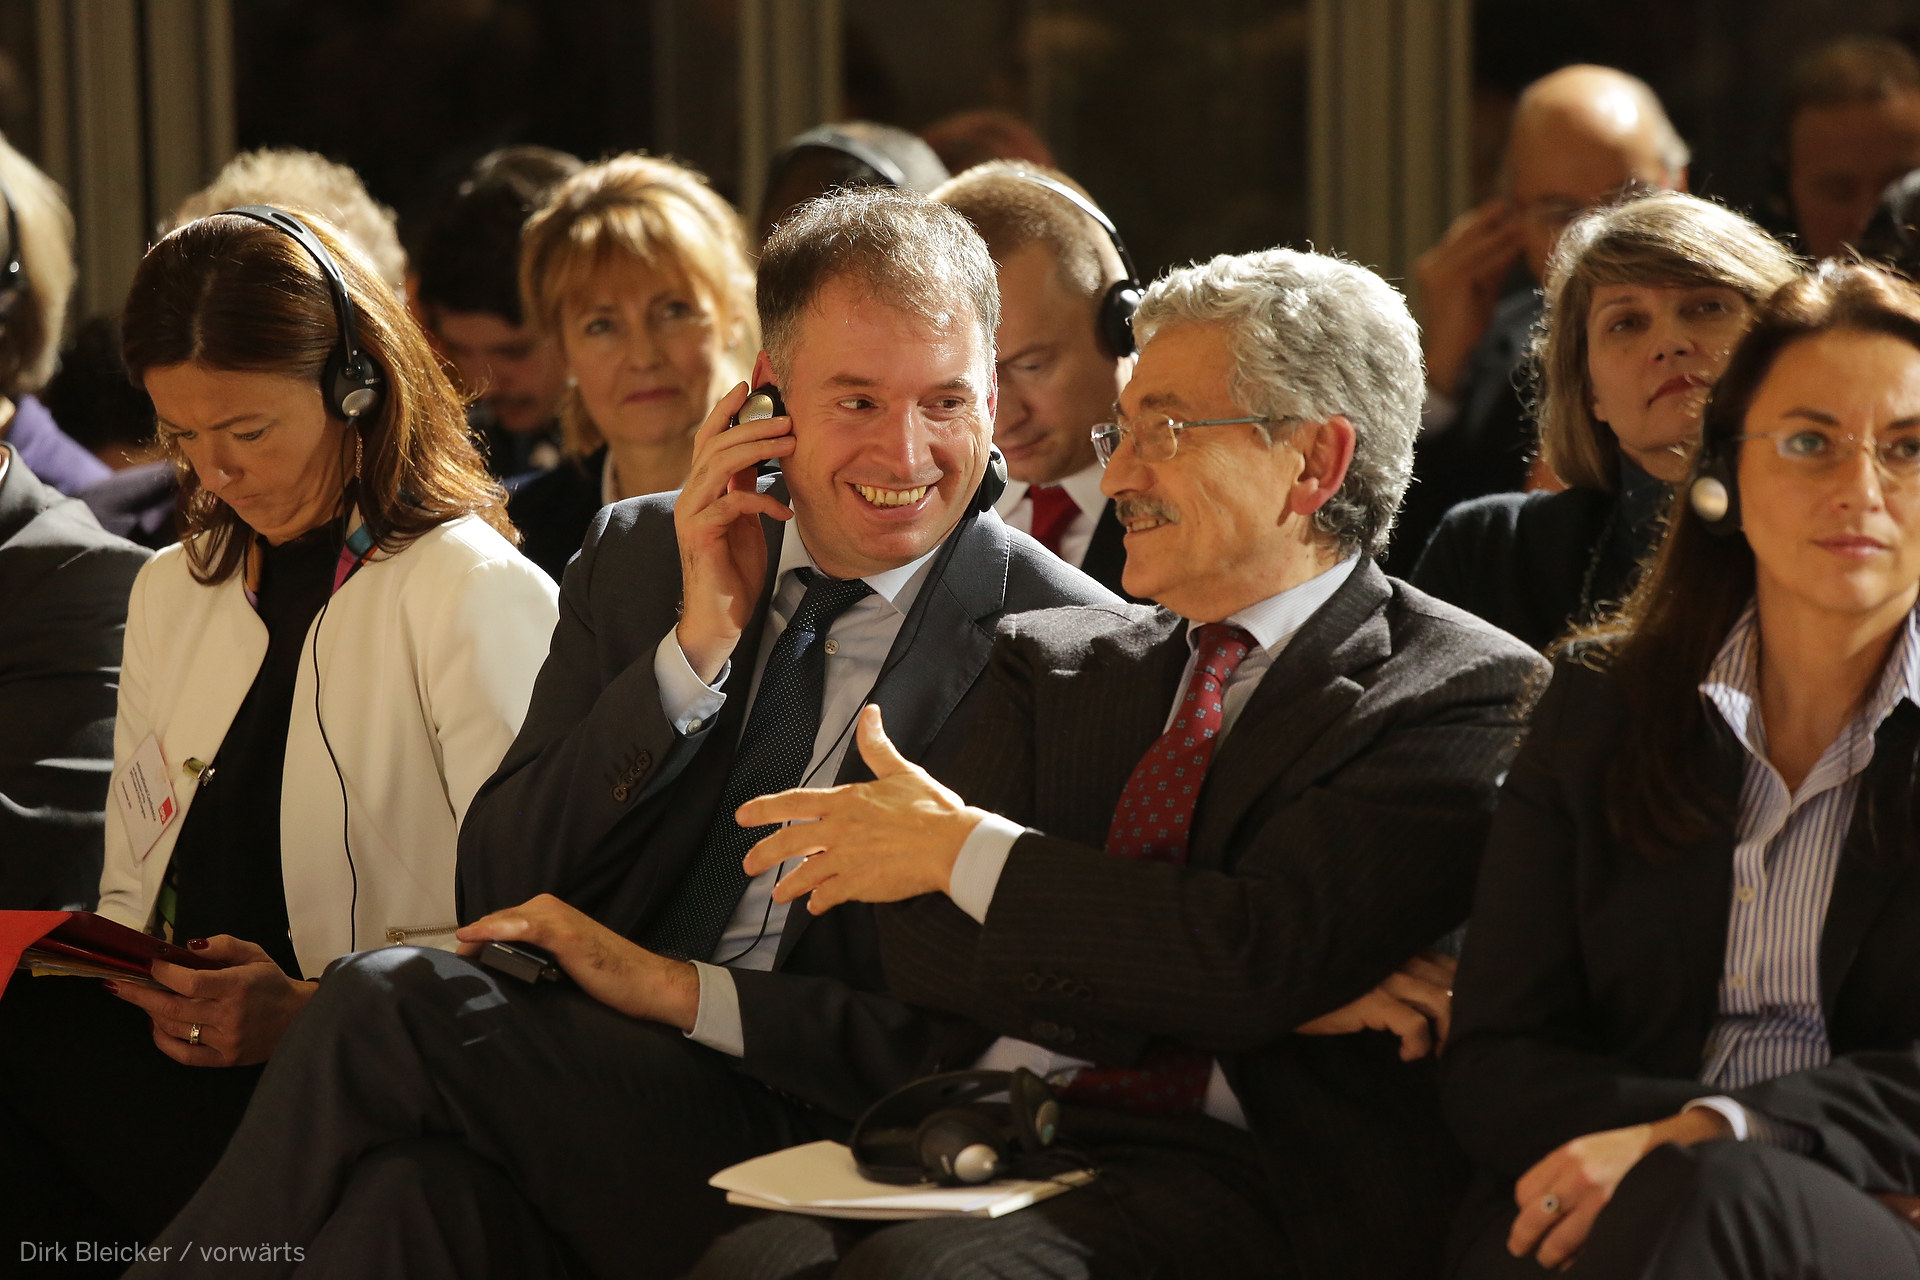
856,648
1083,487
1273,623
1769,1019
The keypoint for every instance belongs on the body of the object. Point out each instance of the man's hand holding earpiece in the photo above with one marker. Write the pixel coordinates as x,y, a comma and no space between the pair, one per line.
723,554
1460,282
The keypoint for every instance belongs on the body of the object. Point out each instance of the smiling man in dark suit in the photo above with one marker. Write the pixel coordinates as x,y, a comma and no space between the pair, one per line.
713,645
1201,840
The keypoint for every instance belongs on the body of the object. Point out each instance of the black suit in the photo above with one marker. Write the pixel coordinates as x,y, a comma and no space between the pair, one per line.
64,584
1488,446
1338,834
1106,557
609,1127
554,508
1591,975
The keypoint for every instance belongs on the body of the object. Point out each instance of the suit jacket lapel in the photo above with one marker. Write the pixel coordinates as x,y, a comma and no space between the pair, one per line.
941,649
1868,873
1307,689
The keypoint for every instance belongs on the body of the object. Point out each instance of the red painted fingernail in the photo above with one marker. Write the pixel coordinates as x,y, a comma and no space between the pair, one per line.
197,944
112,987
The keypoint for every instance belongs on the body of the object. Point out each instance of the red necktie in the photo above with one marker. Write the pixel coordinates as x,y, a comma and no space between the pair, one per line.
1154,821
1053,510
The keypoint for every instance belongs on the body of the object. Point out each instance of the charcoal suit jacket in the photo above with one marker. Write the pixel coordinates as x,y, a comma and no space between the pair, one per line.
1338,832
602,802
1591,978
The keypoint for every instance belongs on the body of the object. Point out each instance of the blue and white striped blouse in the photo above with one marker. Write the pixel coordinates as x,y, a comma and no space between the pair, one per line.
1788,849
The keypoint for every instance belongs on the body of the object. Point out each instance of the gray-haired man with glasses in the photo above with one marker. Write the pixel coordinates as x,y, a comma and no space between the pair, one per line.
1185,862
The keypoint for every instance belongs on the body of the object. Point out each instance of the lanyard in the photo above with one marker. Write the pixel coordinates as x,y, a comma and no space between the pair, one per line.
358,548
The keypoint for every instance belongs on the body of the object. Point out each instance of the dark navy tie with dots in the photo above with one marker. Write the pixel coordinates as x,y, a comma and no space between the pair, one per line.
1154,822
772,756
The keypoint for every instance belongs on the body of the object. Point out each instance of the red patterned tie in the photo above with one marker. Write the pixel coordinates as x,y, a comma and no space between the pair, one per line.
1153,821
1053,511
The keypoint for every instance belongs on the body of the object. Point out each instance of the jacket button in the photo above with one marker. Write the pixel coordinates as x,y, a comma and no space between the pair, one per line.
620,792
1045,1031
642,763
1033,982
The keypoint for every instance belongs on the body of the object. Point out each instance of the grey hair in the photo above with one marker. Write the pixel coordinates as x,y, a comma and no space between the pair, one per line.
1313,336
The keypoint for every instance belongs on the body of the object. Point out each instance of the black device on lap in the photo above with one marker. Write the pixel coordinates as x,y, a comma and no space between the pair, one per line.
522,960
942,1129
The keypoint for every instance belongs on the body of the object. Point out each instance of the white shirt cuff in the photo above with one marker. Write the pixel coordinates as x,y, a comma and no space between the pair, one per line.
1727,1109
689,702
976,872
717,1024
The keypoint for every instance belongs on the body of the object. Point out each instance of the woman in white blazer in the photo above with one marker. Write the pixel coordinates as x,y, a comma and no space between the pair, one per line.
315,683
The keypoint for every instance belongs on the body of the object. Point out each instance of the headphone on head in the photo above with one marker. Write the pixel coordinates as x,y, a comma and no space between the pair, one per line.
1114,320
1713,490
13,276
828,138
942,1130
351,384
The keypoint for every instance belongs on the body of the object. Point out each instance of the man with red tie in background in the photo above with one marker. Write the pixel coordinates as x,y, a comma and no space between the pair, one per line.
1064,354
1189,833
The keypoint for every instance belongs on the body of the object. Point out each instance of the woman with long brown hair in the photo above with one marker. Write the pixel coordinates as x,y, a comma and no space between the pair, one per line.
317,679
1645,300
1685,1028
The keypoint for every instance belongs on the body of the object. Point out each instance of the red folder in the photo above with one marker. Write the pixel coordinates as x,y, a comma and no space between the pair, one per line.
81,942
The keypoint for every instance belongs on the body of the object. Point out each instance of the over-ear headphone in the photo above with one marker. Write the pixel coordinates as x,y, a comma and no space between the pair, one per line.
351,384
1713,490
994,482
13,276
828,138
940,1129
1114,320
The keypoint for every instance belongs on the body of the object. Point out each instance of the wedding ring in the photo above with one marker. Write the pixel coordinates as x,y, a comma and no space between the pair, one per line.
193,1034
1550,1205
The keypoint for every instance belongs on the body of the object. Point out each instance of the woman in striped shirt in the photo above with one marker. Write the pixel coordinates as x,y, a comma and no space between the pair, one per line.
1687,1026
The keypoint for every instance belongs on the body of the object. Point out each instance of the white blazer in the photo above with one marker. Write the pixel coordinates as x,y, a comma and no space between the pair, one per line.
426,660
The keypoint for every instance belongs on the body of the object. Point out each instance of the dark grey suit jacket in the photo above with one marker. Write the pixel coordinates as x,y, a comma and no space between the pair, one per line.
1338,833
603,803
64,583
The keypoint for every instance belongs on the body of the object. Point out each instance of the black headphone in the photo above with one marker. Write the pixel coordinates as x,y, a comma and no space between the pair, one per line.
13,276
939,1130
351,384
828,138
1114,321
1713,490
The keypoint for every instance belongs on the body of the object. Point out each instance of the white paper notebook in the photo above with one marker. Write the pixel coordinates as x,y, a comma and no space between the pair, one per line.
820,1179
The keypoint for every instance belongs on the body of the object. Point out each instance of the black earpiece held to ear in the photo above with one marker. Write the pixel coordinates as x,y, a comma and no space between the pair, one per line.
762,402
993,482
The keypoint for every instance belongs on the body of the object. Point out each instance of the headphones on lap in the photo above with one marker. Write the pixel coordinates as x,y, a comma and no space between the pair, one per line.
351,384
1114,319
941,1129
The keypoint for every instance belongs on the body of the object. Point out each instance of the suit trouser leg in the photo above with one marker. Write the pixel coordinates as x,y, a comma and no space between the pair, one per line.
1152,1212
608,1127
429,1209
1726,1209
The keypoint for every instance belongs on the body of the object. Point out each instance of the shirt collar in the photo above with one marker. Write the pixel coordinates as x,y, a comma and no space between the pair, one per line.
1733,682
891,585
1277,619
1083,486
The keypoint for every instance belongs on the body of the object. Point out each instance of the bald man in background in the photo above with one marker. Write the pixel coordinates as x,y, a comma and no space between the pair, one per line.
1579,136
